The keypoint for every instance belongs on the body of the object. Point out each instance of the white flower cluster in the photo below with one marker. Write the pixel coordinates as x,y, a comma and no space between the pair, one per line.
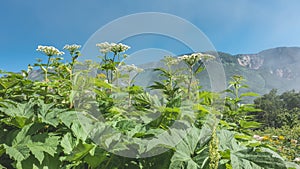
131,68
106,47
72,48
49,50
171,60
196,56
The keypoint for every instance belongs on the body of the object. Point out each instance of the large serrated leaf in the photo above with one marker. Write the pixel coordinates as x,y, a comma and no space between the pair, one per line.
18,114
48,114
39,148
68,143
18,153
254,159
195,144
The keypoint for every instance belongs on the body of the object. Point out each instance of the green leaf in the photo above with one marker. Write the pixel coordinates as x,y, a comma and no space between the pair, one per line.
80,151
242,136
49,146
18,109
227,141
36,151
253,158
95,159
102,83
20,114
17,121
48,114
71,120
249,94
2,149
195,143
18,153
249,124
22,137
49,162
68,143
291,165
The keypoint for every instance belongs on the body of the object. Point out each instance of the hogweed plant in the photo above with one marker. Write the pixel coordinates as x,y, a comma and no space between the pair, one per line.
110,63
170,82
49,51
195,63
74,52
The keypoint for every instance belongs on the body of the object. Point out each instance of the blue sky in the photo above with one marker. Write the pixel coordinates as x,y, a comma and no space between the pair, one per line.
233,26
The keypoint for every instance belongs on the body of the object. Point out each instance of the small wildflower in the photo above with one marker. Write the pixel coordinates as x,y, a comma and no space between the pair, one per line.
72,48
293,141
265,138
49,50
281,138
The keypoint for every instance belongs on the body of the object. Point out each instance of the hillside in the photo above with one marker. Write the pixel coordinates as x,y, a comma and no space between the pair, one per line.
277,68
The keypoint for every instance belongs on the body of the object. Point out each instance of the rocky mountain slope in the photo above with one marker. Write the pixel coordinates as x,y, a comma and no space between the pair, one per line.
277,68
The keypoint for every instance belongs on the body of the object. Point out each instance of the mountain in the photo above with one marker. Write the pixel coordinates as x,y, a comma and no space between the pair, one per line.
277,68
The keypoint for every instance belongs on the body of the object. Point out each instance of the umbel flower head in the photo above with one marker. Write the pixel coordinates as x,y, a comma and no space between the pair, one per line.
118,48
169,60
49,50
106,47
195,57
131,68
72,48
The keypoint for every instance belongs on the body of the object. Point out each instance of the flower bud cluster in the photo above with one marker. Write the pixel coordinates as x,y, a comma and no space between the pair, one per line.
49,50
72,48
106,47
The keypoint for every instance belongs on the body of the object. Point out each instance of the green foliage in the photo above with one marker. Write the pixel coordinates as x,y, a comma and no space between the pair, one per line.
279,110
284,140
237,114
235,155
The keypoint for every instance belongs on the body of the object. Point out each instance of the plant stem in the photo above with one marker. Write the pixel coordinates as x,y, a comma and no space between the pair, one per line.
47,66
190,82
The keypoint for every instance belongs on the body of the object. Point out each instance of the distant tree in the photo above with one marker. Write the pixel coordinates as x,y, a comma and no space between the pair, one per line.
278,110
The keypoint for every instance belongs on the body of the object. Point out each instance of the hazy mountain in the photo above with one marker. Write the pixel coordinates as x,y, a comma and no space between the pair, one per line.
277,68
273,68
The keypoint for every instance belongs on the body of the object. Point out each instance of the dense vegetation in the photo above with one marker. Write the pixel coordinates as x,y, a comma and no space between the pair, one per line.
49,123
280,117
